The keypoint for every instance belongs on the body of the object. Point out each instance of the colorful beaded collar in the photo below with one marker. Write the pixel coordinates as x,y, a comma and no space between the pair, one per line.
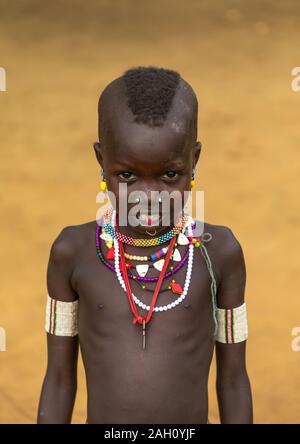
116,234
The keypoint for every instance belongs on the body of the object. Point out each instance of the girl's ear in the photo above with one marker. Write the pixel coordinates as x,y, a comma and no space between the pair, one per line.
197,151
98,151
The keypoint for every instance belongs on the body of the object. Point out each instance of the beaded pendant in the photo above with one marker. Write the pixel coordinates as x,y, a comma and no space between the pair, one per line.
142,269
110,255
176,288
182,239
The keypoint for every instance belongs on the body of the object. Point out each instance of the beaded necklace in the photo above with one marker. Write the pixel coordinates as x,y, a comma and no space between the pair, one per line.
116,234
154,258
186,284
181,239
151,257
137,318
131,276
124,282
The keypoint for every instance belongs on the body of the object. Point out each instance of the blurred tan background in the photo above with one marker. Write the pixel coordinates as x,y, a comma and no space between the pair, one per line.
238,56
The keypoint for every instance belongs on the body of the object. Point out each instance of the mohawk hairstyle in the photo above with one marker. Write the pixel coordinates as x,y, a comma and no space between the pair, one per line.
150,92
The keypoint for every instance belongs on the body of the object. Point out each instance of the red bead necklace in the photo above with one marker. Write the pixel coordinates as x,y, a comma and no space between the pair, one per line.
143,320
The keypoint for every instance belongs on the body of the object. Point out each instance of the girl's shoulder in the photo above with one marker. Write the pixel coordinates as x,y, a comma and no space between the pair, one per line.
222,246
72,237
219,233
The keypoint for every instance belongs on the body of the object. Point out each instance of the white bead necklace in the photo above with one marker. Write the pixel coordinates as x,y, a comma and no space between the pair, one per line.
188,277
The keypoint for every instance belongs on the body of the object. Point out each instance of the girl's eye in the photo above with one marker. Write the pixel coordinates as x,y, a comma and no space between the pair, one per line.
126,175
171,174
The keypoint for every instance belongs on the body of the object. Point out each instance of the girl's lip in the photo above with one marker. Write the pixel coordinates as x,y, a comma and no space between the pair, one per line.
149,219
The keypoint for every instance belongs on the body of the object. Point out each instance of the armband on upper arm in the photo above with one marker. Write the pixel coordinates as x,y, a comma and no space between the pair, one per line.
232,324
61,317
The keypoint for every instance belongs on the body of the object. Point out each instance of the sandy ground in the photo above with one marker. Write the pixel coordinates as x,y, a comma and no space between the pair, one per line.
238,55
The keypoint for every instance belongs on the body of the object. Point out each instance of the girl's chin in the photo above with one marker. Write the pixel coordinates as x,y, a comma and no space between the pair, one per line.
155,229
148,231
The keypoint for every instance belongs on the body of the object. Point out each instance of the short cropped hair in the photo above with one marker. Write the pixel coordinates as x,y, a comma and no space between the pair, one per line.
150,92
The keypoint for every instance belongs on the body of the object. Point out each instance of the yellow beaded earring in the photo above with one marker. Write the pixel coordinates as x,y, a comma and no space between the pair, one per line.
103,185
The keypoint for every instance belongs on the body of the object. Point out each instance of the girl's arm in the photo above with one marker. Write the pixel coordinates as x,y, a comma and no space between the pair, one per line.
60,382
233,385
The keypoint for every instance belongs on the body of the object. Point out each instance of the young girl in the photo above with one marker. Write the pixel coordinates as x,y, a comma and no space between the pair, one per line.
146,302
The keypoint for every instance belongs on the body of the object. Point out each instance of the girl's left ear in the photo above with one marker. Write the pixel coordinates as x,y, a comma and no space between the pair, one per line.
197,151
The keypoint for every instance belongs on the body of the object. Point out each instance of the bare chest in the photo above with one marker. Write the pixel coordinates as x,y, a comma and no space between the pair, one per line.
106,318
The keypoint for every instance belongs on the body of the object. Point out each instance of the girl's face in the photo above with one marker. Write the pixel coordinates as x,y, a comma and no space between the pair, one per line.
143,160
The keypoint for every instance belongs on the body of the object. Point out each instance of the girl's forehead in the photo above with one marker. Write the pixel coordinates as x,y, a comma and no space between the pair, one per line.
141,143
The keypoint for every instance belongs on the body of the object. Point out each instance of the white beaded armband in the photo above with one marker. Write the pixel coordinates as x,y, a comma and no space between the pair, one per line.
232,324
61,317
